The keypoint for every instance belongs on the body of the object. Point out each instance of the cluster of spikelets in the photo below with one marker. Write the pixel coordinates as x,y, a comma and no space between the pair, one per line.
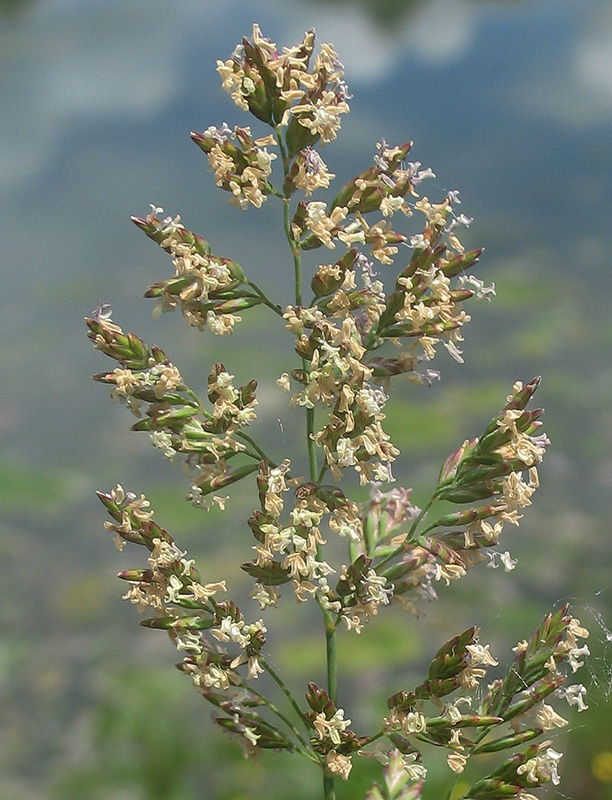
396,551
218,641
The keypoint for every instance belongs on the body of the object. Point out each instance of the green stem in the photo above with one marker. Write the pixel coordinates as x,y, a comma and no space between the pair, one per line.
373,738
328,787
295,250
260,453
409,536
274,306
305,750
194,396
330,651
257,457
311,444
417,521
295,247
330,627
452,788
283,151
270,670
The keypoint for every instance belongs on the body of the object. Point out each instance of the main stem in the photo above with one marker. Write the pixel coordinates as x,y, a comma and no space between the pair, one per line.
330,628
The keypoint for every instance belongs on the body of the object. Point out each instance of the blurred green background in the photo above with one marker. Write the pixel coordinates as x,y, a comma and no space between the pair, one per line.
509,101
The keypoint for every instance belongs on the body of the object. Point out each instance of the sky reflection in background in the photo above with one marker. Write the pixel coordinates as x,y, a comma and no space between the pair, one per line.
510,102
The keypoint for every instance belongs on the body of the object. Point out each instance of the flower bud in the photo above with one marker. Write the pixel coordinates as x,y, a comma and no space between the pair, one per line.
297,137
506,742
136,575
327,280
225,479
158,232
460,262
449,468
195,623
273,574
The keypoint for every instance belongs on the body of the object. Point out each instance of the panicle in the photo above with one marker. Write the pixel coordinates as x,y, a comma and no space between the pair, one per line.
396,551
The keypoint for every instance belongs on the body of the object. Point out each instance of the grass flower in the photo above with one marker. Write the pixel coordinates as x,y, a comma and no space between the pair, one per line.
357,332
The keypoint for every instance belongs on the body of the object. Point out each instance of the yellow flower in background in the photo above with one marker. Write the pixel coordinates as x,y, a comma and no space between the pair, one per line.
601,766
460,788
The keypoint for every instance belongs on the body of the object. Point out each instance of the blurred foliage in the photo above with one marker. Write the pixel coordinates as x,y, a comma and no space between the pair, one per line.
136,743
148,739
390,14
13,8
33,490
384,13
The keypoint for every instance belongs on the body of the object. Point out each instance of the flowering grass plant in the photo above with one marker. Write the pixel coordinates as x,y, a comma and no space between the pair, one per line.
359,328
